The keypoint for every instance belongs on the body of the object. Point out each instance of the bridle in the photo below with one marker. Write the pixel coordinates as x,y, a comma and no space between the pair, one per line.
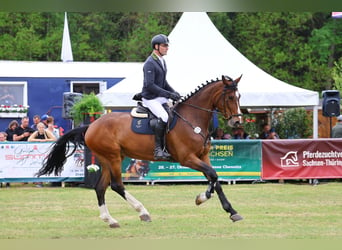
227,89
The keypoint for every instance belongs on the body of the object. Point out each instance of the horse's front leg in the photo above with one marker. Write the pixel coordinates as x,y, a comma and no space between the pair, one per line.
234,216
214,185
203,197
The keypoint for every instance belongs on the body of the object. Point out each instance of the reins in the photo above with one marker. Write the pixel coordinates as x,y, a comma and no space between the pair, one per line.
209,110
197,130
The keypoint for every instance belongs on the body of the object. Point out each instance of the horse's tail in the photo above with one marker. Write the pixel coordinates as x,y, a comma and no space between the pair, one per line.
60,151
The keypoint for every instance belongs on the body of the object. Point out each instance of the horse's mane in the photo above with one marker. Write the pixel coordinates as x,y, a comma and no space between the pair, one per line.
200,87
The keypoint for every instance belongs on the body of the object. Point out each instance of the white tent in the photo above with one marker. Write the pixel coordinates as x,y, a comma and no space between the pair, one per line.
198,52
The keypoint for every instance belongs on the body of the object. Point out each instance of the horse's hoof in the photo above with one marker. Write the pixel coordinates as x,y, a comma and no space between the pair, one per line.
198,200
145,217
114,225
236,217
201,198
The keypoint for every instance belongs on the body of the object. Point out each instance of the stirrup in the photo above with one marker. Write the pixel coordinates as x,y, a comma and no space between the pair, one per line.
165,155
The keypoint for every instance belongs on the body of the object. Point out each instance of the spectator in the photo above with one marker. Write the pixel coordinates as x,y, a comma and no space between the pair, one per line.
23,132
43,119
239,133
336,131
50,121
268,132
227,137
41,135
3,136
273,134
36,120
11,129
265,131
218,134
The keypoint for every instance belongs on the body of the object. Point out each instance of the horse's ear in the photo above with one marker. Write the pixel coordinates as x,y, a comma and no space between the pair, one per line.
238,79
226,79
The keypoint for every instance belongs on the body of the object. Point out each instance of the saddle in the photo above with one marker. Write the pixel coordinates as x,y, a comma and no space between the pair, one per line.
143,119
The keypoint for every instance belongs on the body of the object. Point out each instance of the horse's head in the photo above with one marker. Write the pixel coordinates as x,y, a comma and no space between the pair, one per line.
228,101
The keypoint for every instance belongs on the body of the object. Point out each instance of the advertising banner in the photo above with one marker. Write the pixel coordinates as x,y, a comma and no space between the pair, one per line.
232,160
20,161
297,159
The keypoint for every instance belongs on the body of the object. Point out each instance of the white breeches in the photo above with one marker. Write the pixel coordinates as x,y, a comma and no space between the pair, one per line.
155,105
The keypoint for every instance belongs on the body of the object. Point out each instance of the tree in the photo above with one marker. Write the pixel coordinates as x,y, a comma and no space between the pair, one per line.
285,44
137,46
300,48
337,75
294,123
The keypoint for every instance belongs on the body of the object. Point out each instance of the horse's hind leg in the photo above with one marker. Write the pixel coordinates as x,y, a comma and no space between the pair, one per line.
117,186
100,190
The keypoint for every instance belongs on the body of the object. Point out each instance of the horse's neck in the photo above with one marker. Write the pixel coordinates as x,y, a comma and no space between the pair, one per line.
198,108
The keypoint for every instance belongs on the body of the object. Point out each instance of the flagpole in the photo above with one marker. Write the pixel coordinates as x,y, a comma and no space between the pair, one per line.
66,54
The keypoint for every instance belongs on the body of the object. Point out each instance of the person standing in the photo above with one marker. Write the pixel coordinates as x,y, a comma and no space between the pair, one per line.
36,120
156,91
265,131
23,132
268,132
50,121
336,131
43,119
11,129
218,134
239,133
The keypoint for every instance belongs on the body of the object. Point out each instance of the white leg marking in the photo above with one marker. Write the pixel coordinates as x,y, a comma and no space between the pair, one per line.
202,197
137,205
105,216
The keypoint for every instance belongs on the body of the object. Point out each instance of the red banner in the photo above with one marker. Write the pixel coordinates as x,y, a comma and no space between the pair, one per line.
297,159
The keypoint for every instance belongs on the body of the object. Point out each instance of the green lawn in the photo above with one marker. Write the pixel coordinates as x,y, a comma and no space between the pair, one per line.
270,211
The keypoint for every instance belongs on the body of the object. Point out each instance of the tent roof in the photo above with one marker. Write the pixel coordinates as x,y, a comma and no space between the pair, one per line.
199,52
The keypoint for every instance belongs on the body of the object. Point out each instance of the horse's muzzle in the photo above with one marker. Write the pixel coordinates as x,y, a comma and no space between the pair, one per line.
234,123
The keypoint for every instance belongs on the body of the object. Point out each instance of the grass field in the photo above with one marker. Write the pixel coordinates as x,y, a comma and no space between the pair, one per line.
270,211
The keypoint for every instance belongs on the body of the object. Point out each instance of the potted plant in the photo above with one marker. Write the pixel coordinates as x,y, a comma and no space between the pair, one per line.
87,109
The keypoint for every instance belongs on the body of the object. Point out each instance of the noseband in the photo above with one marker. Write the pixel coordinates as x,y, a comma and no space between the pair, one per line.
228,88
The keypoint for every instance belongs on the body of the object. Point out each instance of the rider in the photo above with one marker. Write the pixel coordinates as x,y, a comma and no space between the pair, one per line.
156,91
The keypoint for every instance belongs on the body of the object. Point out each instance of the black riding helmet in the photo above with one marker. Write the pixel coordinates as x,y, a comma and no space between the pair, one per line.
159,39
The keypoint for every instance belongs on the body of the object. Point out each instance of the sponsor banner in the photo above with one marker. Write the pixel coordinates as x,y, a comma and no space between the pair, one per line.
296,159
232,159
20,161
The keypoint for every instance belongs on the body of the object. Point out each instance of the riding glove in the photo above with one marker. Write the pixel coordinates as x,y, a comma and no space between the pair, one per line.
175,96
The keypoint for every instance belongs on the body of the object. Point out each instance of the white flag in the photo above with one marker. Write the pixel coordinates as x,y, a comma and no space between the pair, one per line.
66,54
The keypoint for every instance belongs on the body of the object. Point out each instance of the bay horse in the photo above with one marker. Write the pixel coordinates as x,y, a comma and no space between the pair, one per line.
110,139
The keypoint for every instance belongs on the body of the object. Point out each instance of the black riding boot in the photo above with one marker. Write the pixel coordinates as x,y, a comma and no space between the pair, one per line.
159,130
